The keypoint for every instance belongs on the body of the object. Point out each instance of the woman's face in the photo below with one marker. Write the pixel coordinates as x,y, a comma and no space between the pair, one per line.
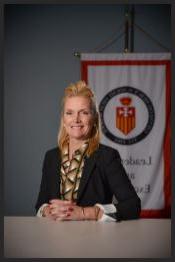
78,117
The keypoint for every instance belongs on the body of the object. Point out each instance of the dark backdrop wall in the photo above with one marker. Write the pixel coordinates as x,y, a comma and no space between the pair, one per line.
40,41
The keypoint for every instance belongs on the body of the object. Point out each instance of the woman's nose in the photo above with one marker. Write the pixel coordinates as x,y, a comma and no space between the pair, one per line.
77,117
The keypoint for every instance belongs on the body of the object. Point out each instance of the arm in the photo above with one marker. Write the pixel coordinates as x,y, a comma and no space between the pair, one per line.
128,203
43,192
41,210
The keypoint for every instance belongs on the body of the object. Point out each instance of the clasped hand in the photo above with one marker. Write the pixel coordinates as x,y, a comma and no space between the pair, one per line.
62,210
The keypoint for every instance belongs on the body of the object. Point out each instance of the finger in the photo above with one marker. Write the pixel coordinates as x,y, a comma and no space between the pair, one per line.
66,210
58,210
54,211
62,208
61,202
59,219
52,201
52,206
63,218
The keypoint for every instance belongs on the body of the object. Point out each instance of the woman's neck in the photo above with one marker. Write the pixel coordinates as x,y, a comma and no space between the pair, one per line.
74,145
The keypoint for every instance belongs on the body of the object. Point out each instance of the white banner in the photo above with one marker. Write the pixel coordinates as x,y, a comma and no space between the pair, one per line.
133,94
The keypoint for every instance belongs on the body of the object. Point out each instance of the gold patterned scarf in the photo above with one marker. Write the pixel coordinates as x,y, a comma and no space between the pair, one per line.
71,171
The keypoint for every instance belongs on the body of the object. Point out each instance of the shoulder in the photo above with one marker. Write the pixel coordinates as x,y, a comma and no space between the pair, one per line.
106,149
107,153
53,153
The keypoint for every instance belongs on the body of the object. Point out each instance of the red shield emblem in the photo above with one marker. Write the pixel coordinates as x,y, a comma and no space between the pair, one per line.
125,116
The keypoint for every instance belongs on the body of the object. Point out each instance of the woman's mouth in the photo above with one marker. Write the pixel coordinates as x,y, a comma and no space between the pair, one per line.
76,127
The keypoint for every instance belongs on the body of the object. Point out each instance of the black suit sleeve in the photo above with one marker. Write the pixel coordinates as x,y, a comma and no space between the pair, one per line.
128,203
43,192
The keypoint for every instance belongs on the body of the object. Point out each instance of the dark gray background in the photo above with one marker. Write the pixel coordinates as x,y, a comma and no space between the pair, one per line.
39,63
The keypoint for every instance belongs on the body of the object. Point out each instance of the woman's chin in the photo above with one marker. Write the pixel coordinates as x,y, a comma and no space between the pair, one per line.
78,137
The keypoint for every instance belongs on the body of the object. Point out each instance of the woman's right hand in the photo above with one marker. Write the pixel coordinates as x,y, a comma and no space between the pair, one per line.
47,212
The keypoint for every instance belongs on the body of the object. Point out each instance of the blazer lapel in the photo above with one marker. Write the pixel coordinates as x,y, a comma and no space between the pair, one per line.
87,170
58,168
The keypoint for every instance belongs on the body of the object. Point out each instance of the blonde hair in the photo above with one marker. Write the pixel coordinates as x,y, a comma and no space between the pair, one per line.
80,88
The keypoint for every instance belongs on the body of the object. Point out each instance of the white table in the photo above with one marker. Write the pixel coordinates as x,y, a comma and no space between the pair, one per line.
26,237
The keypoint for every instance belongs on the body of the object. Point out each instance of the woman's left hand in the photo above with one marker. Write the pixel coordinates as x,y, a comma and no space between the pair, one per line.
74,214
84,213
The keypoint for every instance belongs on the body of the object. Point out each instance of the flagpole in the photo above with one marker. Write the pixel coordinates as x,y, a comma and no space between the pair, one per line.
126,47
132,16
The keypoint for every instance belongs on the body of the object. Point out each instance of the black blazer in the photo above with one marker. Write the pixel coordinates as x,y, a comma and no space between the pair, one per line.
103,176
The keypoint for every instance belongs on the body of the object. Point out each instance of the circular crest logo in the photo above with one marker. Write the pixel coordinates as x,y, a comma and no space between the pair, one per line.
127,115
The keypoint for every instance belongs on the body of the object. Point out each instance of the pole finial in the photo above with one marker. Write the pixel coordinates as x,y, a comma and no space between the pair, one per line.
77,54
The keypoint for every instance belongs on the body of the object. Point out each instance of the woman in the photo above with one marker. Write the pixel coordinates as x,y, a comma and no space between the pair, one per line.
81,176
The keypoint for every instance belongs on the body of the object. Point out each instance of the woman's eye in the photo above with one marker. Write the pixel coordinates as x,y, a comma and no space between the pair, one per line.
68,113
86,112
